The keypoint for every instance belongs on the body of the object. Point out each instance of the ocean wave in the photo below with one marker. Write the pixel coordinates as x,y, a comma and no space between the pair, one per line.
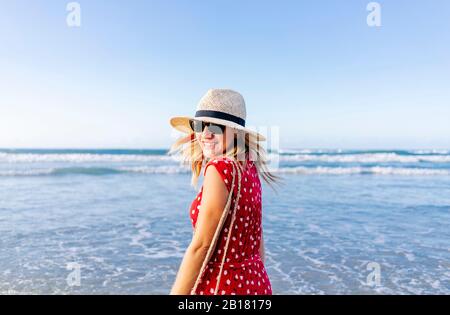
32,172
96,171
310,151
430,151
362,170
297,155
155,169
347,151
364,158
81,157
302,170
61,171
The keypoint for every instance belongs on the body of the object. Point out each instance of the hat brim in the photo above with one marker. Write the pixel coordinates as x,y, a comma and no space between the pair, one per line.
181,123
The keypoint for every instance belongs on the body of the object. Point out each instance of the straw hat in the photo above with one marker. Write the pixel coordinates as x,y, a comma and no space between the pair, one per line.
220,106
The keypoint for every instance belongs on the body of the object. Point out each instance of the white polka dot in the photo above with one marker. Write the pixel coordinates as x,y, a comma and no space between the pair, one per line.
211,290
228,281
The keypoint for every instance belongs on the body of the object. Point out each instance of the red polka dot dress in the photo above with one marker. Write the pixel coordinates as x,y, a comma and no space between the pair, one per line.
243,270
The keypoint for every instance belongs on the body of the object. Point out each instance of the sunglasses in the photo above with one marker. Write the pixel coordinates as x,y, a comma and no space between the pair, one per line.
199,126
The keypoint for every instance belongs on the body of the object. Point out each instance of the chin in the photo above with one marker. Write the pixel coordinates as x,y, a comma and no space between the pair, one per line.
209,153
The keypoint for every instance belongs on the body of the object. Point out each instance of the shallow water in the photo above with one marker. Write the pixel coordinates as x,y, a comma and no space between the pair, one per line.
127,230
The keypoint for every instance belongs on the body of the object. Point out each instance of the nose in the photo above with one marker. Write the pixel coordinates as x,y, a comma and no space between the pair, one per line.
207,133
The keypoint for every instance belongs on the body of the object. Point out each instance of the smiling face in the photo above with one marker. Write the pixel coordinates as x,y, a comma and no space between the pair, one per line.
214,143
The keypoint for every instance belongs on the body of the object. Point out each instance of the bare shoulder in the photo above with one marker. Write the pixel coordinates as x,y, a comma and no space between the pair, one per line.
213,185
223,167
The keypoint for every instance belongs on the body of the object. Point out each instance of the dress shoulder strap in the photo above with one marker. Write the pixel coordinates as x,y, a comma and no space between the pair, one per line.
235,170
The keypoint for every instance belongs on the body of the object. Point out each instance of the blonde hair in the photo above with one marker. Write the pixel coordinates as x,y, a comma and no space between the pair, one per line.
244,146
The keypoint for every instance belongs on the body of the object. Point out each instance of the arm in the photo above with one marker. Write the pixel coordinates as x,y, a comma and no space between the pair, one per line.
214,198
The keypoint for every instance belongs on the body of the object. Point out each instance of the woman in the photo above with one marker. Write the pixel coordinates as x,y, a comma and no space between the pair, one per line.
226,253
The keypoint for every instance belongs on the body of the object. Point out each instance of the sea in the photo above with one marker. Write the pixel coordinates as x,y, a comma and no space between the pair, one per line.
86,221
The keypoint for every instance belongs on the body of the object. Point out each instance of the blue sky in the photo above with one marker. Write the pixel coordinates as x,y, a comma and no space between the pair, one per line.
315,69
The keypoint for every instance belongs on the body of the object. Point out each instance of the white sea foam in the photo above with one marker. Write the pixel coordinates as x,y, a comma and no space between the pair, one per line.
30,172
309,151
362,170
326,156
302,170
155,169
95,171
142,234
364,158
431,151
82,157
